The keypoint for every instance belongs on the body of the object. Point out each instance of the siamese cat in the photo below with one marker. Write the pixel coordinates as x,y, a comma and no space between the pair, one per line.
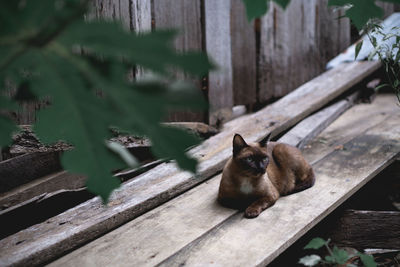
258,174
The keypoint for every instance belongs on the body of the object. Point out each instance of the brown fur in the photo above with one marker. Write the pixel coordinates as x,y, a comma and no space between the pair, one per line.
244,187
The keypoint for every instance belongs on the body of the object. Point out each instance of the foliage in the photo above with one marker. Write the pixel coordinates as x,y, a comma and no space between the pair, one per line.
336,256
359,11
387,48
50,52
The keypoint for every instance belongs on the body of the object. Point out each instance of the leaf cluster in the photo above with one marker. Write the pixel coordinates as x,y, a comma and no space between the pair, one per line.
81,67
335,257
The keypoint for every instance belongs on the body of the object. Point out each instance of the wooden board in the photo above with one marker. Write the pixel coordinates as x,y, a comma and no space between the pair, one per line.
14,171
218,47
300,135
53,237
186,17
296,43
363,115
243,44
193,229
362,229
46,184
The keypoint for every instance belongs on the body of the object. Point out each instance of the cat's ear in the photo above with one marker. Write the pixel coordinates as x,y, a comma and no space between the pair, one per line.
265,140
238,143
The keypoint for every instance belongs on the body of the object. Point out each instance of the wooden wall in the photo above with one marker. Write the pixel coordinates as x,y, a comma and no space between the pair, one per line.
258,61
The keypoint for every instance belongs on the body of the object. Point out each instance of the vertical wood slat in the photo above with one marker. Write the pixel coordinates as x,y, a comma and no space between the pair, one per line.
243,45
186,17
296,44
218,47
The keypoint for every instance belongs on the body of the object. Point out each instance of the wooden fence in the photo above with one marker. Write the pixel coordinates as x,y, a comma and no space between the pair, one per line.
258,61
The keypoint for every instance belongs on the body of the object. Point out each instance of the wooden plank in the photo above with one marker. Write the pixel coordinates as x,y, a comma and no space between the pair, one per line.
46,184
296,44
218,47
287,49
166,180
364,115
193,229
362,229
186,17
313,125
25,168
243,44
240,241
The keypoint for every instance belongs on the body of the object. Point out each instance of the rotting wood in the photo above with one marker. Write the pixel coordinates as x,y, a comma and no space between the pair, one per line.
218,47
313,125
362,229
50,239
25,168
46,184
61,181
193,229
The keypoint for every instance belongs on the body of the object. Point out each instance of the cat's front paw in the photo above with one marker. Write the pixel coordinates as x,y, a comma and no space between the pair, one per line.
252,212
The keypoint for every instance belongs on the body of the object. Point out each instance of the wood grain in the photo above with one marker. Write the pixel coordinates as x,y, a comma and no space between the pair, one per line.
362,229
91,219
184,16
25,168
218,47
194,230
295,45
243,46
307,129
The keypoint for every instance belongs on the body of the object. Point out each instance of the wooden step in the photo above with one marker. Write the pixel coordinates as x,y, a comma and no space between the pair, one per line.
91,219
193,229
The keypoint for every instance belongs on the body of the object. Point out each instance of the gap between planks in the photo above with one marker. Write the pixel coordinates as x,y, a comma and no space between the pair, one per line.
87,221
193,229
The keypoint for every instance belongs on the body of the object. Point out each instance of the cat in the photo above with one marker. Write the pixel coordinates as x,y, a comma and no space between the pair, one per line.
258,174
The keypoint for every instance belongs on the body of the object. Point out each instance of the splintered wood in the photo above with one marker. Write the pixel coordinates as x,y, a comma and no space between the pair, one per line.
194,230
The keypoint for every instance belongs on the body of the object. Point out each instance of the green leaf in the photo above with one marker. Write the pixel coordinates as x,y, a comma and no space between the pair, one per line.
360,11
380,86
315,243
310,260
282,3
358,48
255,8
79,118
153,50
367,260
340,255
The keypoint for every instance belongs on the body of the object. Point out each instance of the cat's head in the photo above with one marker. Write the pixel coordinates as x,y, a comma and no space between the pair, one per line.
251,157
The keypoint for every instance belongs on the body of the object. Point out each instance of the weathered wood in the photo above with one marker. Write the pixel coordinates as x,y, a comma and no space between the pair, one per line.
47,184
194,230
166,180
313,125
186,17
240,241
296,44
243,43
362,229
25,168
388,8
364,115
218,47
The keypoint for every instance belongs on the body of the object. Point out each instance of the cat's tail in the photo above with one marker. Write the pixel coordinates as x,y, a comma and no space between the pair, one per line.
306,183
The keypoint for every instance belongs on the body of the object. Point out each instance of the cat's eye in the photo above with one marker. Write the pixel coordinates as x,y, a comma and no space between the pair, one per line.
248,160
265,159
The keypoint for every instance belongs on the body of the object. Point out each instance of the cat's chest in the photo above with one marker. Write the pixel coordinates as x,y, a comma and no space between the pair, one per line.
246,187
